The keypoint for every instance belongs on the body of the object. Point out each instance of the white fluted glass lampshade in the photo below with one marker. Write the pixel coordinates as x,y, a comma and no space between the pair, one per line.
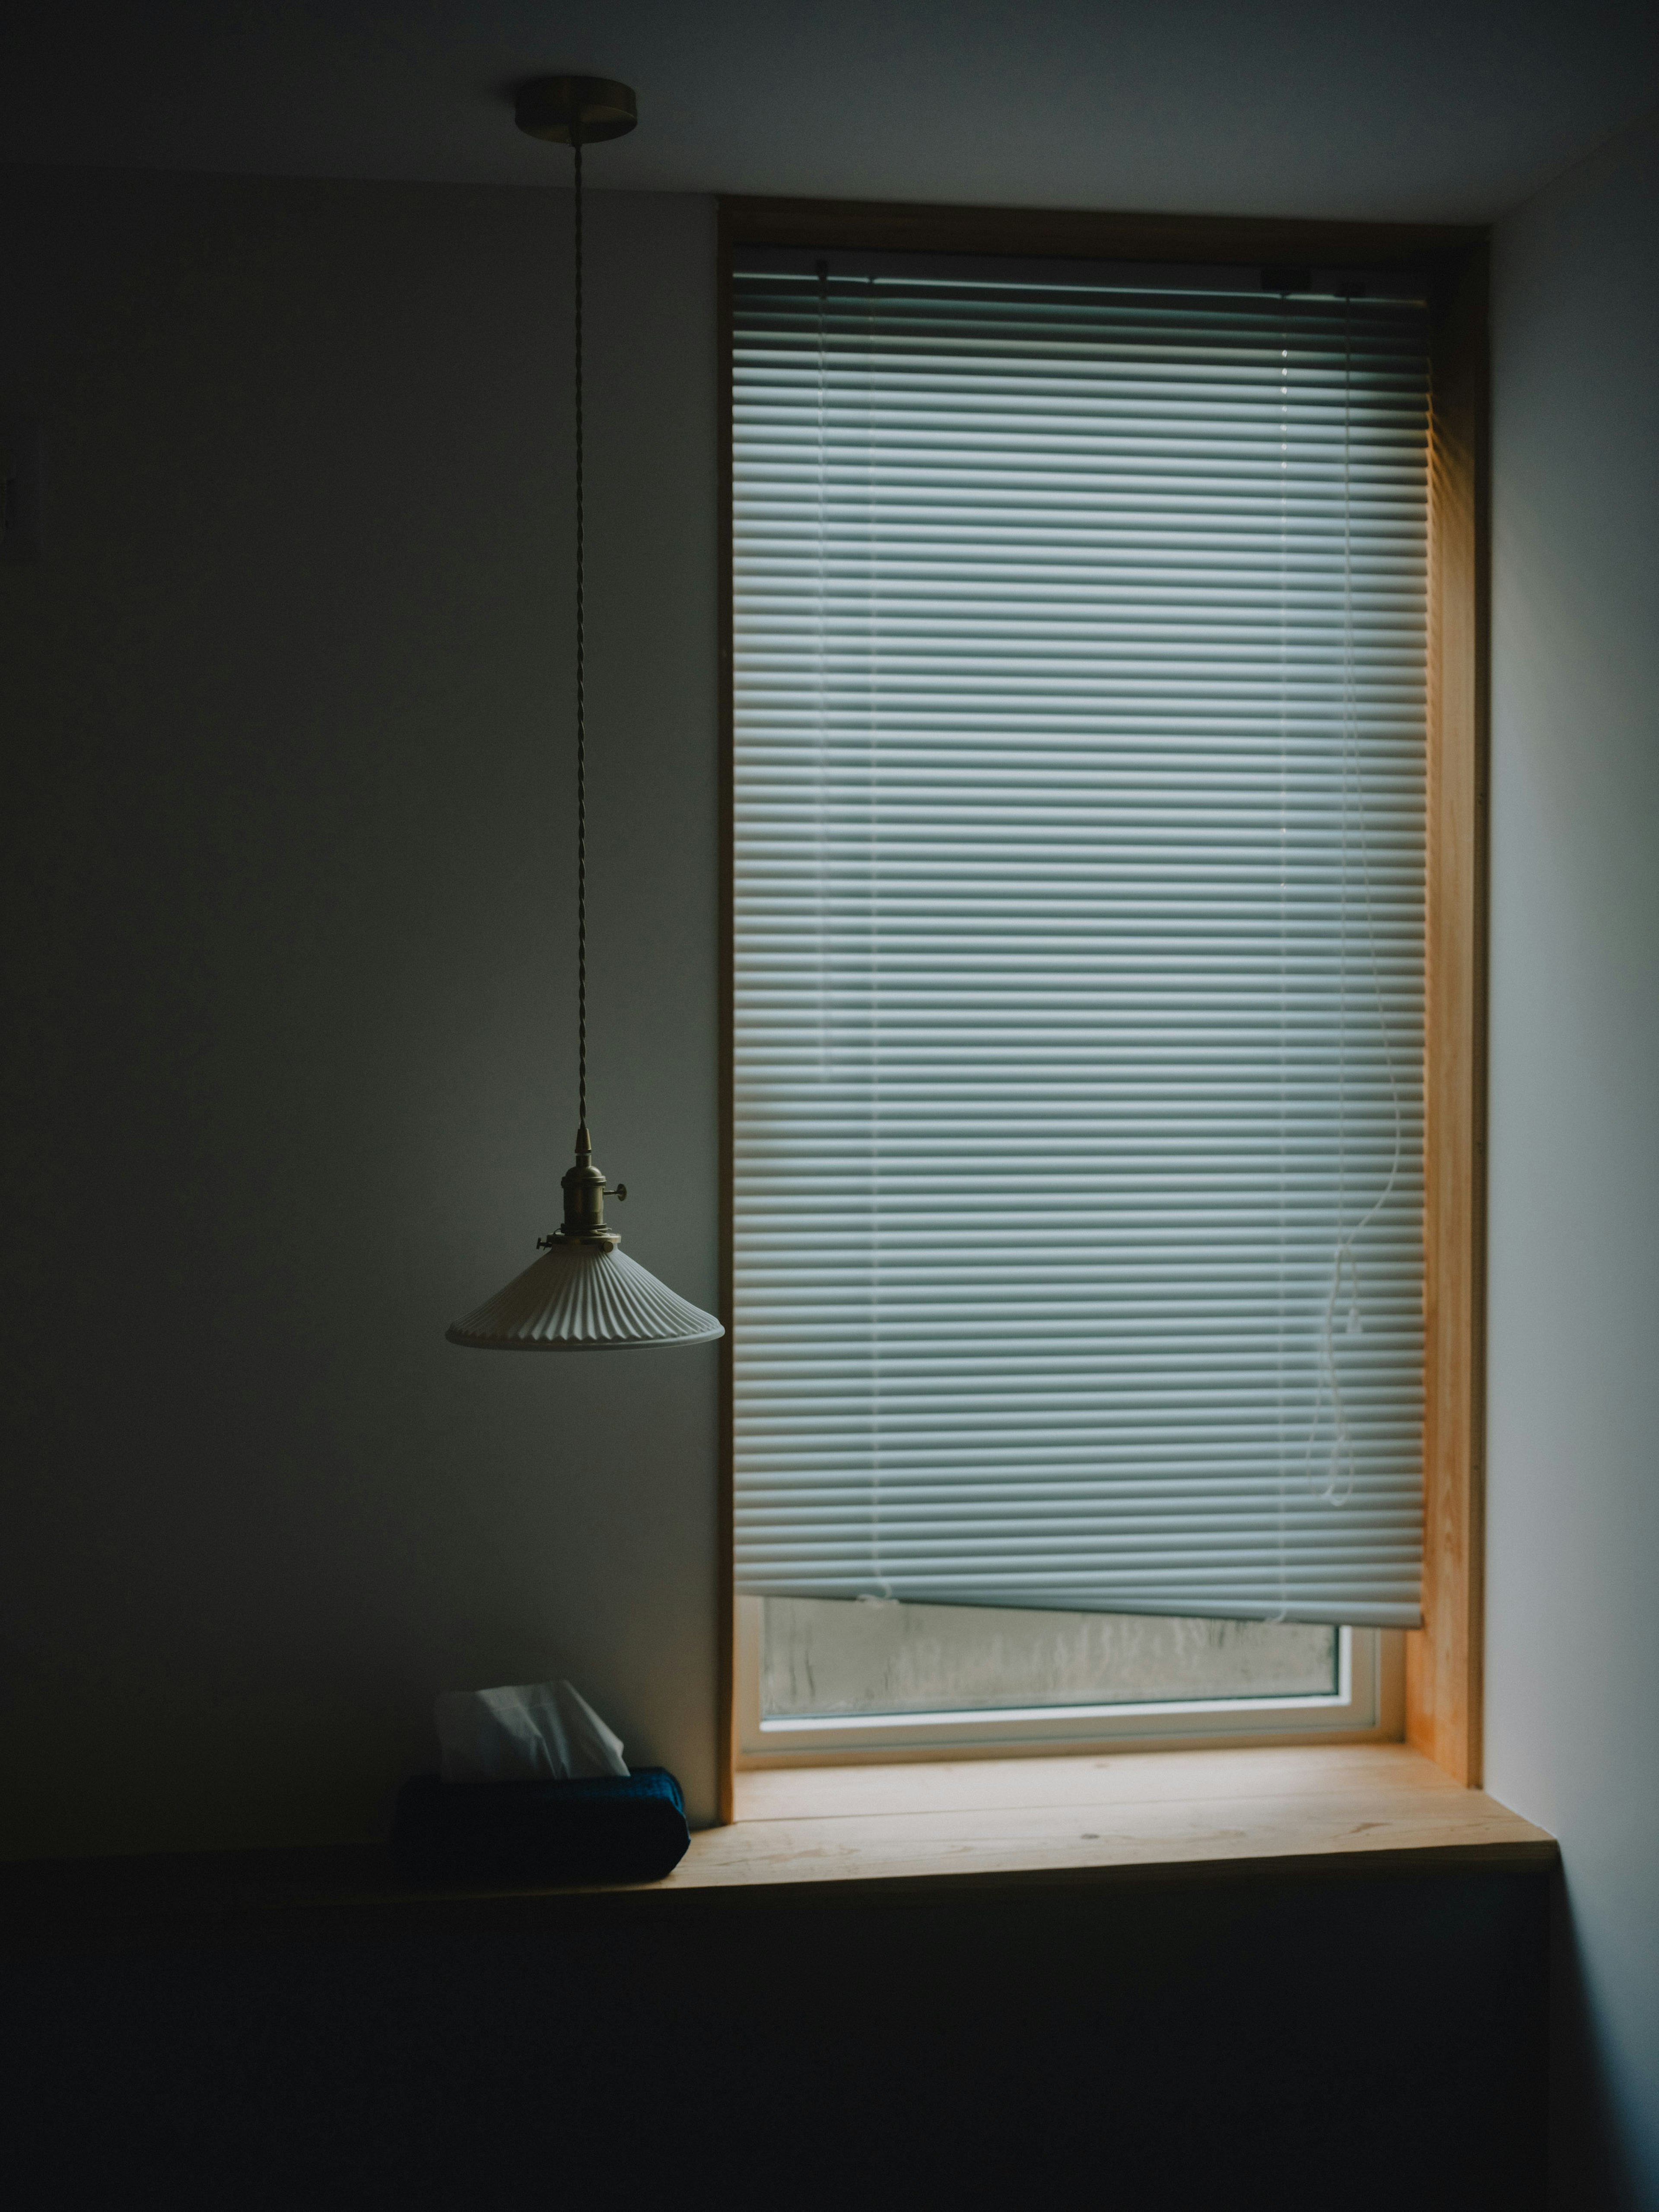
584,1298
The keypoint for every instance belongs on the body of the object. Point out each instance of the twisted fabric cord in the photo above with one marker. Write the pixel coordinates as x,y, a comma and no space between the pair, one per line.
581,674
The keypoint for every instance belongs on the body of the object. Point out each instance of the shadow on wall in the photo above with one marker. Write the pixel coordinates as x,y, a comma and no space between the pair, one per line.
1593,2164
289,1023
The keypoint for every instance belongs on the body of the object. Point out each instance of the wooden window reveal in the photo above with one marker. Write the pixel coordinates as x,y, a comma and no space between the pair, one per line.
1443,1657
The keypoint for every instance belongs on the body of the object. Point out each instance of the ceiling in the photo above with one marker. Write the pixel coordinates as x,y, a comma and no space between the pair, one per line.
1440,110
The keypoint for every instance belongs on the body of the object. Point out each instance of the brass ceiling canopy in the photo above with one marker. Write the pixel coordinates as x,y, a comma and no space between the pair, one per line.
568,111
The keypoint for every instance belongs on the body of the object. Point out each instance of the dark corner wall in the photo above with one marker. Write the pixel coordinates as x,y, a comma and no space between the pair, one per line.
289,885
1573,1380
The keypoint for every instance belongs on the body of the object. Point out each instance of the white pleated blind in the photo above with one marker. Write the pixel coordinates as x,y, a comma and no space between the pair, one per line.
1080,762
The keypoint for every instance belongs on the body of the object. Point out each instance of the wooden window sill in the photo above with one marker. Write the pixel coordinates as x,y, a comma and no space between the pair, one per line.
1101,1817
830,1833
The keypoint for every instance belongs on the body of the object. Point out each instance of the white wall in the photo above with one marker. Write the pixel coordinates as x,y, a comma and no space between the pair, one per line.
288,920
1573,1630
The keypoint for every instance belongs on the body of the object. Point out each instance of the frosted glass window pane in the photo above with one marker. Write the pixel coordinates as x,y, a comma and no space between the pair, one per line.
821,1656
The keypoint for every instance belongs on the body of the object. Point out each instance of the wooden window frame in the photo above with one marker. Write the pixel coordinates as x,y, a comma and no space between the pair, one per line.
1443,1657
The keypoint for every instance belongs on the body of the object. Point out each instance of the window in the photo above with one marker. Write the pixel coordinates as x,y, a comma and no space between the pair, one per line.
831,1679
1083,627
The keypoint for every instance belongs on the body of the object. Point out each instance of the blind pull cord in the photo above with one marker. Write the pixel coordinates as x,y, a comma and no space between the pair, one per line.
1342,1468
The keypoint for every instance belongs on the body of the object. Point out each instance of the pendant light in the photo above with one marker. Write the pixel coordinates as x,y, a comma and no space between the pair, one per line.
583,1295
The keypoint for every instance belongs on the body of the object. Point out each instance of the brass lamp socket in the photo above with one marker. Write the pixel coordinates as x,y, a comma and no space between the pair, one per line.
584,1190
